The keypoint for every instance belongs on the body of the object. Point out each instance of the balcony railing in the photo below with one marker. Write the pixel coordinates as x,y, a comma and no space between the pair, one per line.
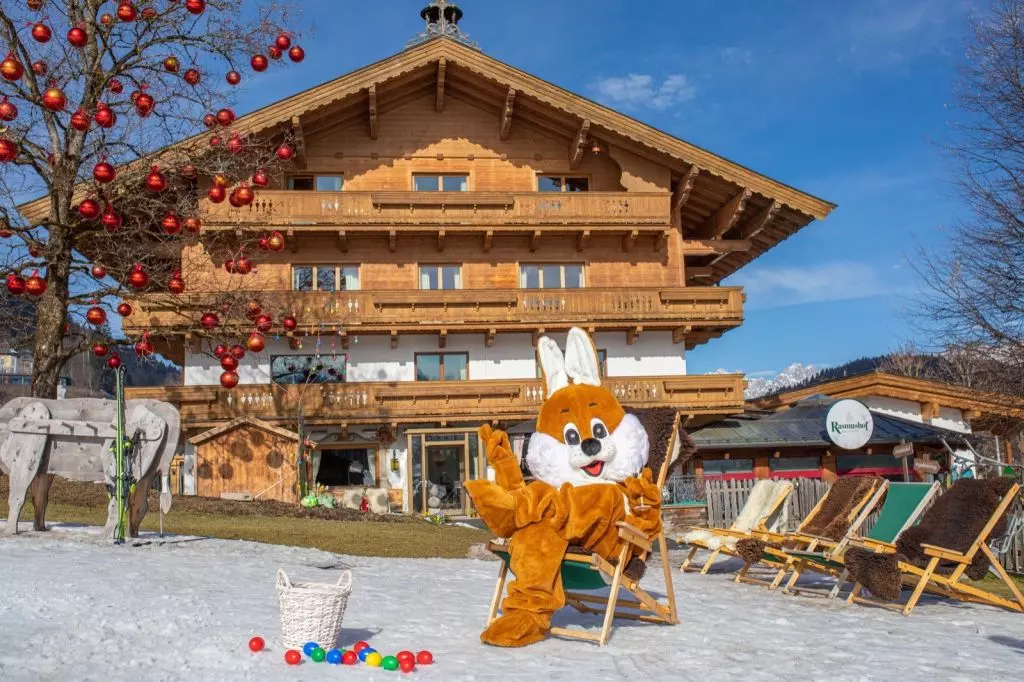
329,209
700,308
430,402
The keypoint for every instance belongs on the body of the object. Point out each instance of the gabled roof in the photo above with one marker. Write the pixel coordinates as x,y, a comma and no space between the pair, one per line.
242,421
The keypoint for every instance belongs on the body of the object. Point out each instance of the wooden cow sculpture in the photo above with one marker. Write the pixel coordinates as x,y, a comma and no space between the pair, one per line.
72,438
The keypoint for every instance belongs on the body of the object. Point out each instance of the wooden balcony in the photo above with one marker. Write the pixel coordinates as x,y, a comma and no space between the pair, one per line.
406,210
693,314
702,396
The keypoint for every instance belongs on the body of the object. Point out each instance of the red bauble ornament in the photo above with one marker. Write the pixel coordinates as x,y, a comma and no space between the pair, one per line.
8,112
221,180
243,266
228,363
171,224
138,278
192,76
233,78
259,63
225,116
89,209
256,644
107,19
242,196
215,141
230,380
99,272
34,4
255,343
111,219
220,351
237,351
296,54
209,320
115,86
209,121
285,153
253,310
96,315
144,104
114,361
126,11
289,323
260,178
276,241
11,69
149,13
54,99
195,6
124,309
78,37
424,657
264,323
143,347
283,41
8,151
41,33
274,52
171,64
104,172
189,171
176,285
39,67
229,266
156,181
235,144
264,244
193,224
35,285
104,116
99,349
216,194
16,285
80,121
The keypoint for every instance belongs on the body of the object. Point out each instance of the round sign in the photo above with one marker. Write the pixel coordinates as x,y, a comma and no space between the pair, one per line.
849,425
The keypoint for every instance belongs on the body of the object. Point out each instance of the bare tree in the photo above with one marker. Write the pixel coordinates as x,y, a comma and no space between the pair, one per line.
91,97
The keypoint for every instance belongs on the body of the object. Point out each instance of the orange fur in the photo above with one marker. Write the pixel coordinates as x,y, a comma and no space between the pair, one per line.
578,404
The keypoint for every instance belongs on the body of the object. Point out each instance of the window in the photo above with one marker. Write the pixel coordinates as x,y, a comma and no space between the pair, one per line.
728,468
789,467
348,467
307,369
325,278
320,183
550,276
440,183
440,277
562,183
602,364
442,366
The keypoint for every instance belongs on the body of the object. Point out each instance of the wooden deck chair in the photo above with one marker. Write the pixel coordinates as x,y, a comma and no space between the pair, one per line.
583,574
904,503
847,504
761,512
971,507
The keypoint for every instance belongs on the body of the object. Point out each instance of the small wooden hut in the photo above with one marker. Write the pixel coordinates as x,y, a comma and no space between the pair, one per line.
247,458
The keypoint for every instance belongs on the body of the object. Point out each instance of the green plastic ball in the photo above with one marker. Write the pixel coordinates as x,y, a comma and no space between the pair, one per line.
389,663
318,655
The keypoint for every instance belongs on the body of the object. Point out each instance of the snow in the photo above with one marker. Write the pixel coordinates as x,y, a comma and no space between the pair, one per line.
792,375
182,608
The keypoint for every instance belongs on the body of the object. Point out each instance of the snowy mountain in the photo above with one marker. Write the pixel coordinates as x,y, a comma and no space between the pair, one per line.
791,376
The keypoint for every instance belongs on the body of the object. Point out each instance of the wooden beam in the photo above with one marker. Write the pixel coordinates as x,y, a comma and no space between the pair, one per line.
488,238
629,239
300,142
725,218
929,411
579,144
342,241
582,237
681,194
392,241
489,337
440,240
536,334
679,333
699,271
761,220
661,240
633,334
442,66
713,247
344,339
506,114
394,339
534,240
373,111
292,241
442,339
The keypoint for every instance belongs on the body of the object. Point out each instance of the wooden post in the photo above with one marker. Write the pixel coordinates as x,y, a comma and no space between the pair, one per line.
762,468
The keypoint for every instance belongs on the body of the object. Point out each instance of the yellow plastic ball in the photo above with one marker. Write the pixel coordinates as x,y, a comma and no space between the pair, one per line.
373,660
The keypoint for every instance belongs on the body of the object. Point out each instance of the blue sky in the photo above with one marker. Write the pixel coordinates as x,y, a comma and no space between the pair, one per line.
848,101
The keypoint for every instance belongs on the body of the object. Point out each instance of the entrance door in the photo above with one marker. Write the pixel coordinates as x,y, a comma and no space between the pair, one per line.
440,462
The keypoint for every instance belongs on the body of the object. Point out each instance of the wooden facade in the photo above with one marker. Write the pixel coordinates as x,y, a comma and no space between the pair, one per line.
247,457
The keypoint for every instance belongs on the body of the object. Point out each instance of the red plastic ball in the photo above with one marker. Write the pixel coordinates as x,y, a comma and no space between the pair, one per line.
407,666
424,657
350,658
405,656
256,644
292,657
359,646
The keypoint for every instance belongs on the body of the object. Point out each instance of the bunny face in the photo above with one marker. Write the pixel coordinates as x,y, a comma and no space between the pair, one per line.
583,434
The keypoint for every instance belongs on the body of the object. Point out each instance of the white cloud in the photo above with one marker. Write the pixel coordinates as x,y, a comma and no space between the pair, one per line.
773,287
643,91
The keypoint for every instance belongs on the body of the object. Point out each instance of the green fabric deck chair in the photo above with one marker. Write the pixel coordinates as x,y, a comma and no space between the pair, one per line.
903,506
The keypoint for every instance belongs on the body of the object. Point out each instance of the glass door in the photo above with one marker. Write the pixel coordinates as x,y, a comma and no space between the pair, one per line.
440,462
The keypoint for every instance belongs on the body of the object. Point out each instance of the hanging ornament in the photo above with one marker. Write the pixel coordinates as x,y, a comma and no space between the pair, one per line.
34,4
171,64
235,144
243,266
233,78
264,323
283,41
8,112
176,285
54,98
149,13
35,250
253,310
41,33
193,224
220,351
260,178
220,180
115,86
263,243
126,11
143,347
80,121
209,320
171,223
284,152
192,76
216,194
8,150
242,196
195,6
144,103
96,315
124,309
255,343
39,67
226,116
296,54
35,285
104,116
189,171
111,220
237,351
114,361
77,36
89,209
289,323
274,52
98,271
137,278
99,349
276,241
210,121
11,69
104,172
228,362
215,140
156,181
229,266
259,63
229,379
107,19
16,284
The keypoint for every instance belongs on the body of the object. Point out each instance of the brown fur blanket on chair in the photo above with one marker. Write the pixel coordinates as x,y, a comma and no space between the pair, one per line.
953,522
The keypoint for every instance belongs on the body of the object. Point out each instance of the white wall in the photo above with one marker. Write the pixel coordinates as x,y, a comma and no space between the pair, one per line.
948,418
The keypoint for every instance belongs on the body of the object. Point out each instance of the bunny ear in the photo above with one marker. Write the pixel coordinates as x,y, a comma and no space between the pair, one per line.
553,365
581,358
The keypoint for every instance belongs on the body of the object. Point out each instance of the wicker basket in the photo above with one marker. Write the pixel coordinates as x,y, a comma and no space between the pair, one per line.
312,612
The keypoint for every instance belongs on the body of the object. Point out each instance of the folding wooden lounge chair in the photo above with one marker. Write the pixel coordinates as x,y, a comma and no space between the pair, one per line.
583,573
964,519
761,512
904,503
846,505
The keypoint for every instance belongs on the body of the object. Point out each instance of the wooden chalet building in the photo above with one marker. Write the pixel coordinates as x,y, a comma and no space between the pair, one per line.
444,211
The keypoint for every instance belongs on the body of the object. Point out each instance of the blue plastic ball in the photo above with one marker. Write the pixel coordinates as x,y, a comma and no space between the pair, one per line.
308,647
364,652
334,657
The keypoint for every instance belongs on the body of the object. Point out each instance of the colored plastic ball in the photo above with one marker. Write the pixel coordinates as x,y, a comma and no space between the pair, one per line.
407,666
292,657
334,657
349,658
308,647
363,653
318,655
373,659
389,663
359,646
256,644
406,656
424,657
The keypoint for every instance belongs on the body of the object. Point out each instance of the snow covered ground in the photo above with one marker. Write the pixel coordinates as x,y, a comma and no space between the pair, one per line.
184,608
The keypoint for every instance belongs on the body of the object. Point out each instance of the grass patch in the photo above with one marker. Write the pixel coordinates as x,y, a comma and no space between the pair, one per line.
275,523
994,585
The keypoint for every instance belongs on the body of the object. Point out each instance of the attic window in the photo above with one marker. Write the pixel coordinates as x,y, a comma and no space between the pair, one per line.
440,183
562,183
